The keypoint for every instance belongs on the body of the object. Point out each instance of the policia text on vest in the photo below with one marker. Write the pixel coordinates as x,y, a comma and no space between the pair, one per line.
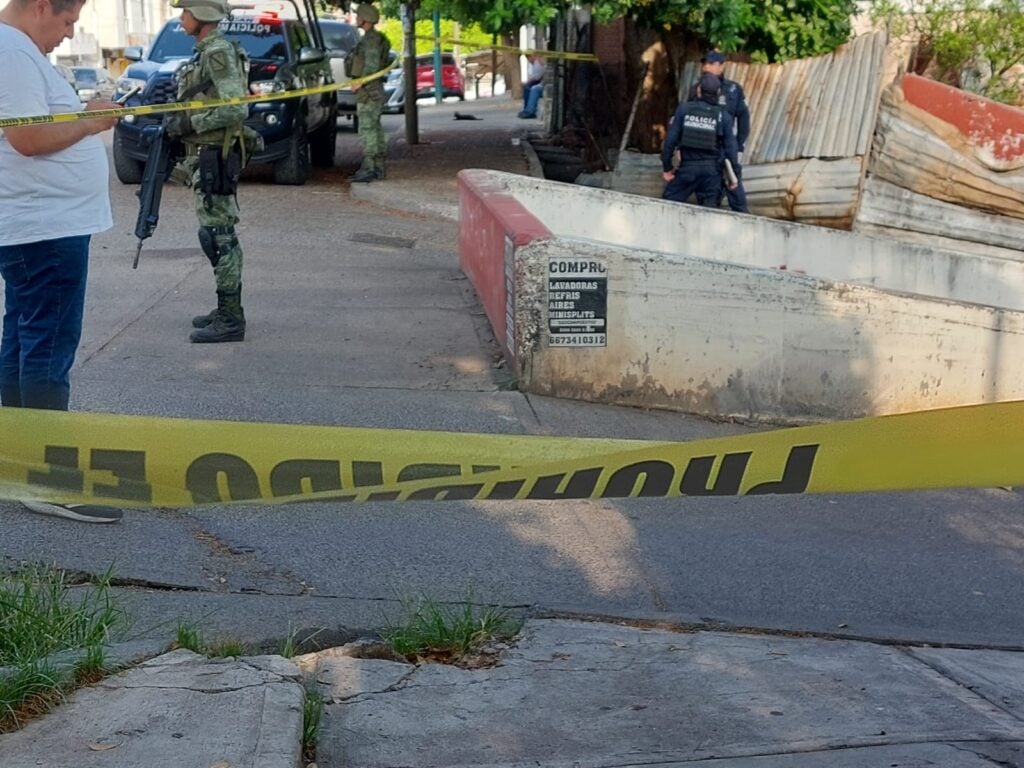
703,137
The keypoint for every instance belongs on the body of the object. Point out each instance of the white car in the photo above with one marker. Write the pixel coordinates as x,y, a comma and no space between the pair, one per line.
340,38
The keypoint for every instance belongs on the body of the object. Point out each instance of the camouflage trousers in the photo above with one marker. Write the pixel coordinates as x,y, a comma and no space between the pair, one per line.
221,211
371,134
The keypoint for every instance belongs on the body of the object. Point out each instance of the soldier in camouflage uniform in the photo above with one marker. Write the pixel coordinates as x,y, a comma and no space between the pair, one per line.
219,69
368,57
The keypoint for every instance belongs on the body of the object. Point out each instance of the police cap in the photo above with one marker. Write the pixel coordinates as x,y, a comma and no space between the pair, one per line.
714,57
710,85
366,12
204,10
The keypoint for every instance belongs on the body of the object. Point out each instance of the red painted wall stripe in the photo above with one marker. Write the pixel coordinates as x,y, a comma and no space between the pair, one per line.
487,214
985,122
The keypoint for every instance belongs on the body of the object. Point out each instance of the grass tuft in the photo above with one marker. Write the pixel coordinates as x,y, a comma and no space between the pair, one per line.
189,636
438,632
312,715
42,613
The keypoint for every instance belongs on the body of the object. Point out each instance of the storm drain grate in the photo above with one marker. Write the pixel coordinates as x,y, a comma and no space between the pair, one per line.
372,239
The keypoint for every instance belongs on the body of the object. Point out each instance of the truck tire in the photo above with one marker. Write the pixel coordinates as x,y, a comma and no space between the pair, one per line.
127,169
323,142
293,168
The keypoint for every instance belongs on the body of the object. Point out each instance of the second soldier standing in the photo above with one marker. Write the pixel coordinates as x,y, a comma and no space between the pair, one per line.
214,141
369,57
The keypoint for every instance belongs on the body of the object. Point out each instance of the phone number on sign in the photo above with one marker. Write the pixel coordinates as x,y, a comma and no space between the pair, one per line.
579,340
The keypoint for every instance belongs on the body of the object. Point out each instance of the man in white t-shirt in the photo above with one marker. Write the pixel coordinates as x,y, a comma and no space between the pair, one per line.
53,197
533,88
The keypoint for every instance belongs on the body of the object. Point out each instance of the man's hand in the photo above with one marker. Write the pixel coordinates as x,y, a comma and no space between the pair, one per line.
731,187
177,125
101,124
668,175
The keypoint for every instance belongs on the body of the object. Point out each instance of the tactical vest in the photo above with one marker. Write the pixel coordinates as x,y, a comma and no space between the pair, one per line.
194,82
702,126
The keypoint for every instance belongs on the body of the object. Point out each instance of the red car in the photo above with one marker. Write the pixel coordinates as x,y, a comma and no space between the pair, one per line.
452,81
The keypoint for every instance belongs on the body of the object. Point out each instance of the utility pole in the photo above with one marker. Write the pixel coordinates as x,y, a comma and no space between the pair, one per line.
412,118
438,83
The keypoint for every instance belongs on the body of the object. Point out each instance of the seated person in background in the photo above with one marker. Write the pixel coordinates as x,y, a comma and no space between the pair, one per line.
533,88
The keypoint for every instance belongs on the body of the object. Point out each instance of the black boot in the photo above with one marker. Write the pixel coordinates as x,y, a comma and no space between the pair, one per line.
201,321
228,323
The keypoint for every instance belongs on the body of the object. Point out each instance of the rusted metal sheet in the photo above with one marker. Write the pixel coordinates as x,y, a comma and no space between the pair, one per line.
811,191
901,210
917,151
819,107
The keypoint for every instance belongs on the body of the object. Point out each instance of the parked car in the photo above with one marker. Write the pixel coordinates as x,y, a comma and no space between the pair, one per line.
65,71
285,54
453,82
340,37
93,83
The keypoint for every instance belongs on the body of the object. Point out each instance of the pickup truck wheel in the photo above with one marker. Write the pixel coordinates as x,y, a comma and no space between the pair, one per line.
127,169
293,168
323,142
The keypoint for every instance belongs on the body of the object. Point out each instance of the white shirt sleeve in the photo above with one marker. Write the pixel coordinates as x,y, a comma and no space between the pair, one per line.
23,88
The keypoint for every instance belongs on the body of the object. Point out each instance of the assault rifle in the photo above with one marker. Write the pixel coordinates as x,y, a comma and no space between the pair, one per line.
163,154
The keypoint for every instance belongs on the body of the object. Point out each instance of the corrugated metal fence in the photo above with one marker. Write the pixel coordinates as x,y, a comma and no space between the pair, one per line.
822,107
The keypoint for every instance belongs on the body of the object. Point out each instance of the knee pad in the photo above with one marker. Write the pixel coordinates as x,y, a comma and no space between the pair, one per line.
216,241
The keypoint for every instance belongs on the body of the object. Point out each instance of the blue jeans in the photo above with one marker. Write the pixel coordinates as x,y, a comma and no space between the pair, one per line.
531,98
44,296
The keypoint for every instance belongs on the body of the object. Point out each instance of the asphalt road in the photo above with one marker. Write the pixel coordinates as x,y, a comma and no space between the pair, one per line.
360,316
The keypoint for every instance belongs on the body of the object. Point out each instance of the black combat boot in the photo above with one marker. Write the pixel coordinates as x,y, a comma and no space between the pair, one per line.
201,321
367,172
228,323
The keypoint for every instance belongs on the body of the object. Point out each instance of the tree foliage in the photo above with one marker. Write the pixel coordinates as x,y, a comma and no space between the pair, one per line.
766,30
977,45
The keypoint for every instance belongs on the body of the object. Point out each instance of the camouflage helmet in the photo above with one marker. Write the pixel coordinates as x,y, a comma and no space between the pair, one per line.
204,10
366,12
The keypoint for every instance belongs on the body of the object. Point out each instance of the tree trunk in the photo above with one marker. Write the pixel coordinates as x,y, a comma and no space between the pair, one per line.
664,52
510,69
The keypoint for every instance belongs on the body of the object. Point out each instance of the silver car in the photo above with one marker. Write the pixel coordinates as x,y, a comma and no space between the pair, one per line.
340,37
93,83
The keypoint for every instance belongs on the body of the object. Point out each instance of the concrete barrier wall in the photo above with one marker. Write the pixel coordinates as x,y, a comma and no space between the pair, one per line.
634,222
717,337
762,345
492,222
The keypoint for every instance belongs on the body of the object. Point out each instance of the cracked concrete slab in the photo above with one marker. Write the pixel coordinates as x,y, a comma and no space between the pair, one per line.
342,678
179,709
996,675
897,756
580,694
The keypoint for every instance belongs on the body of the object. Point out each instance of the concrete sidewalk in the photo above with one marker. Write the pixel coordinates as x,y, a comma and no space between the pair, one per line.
566,693
421,177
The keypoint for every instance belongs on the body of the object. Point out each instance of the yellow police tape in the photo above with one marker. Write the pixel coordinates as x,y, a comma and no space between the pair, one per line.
569,55
140,461
183,106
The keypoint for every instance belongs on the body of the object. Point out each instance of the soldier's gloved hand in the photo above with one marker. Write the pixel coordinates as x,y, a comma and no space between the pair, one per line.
177,125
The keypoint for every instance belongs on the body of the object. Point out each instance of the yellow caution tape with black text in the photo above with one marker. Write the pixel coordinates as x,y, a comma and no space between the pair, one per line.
568,55
136,461
183,106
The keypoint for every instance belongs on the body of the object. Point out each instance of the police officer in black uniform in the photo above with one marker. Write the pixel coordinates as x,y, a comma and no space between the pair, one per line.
702,132
735,103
